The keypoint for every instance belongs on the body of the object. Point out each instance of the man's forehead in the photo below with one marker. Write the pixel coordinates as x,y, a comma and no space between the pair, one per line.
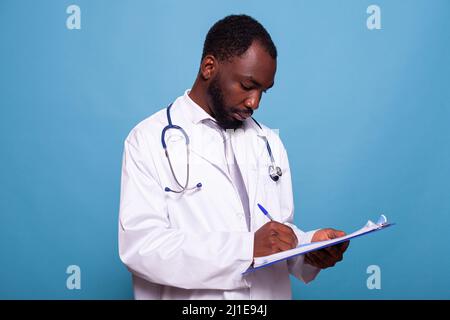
255,64
255,53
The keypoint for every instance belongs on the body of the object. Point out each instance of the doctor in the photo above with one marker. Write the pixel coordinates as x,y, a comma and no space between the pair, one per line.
193,174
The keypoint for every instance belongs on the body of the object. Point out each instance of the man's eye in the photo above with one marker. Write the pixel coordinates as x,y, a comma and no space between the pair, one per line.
245,87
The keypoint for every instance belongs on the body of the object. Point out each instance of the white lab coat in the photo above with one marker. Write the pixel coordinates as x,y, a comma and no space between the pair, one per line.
197,244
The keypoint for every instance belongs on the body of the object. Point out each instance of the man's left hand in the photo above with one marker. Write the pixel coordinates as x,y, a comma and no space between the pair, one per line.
327,257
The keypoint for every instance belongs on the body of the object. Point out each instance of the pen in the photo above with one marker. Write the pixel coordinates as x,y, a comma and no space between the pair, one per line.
265,212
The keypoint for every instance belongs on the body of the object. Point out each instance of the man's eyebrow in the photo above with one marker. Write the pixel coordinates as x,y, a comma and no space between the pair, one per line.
256,83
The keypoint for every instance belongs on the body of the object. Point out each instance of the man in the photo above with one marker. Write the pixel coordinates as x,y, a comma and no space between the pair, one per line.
189,221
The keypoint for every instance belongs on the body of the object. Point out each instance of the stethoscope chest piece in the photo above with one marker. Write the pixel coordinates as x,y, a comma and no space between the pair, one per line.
275,172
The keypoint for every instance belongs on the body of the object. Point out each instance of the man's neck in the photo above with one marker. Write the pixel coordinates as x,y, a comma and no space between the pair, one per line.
199,96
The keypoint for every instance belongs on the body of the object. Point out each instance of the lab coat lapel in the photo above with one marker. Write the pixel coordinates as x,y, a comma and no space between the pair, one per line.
209,147
244,143
202,142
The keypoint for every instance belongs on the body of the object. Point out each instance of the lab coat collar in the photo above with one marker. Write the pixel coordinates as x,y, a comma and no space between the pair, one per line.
194,112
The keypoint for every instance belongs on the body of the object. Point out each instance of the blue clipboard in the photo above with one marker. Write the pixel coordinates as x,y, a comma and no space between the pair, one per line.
370,227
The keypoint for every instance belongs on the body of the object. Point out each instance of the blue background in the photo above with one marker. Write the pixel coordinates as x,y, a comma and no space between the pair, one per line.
364,116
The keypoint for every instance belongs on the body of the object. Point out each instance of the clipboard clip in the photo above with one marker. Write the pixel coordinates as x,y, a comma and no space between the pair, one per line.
382,220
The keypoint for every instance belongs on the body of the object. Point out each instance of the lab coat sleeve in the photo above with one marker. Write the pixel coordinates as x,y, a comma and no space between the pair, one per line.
158,253
297,267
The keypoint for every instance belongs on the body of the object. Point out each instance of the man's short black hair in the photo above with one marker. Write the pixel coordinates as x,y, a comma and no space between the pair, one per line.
233,35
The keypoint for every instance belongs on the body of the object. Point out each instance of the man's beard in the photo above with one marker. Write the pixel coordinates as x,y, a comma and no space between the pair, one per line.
222,116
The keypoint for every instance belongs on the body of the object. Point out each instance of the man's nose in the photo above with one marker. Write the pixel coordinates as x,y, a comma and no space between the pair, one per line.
253,101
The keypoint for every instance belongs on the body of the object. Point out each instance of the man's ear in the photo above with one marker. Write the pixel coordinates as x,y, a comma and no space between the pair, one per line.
208,67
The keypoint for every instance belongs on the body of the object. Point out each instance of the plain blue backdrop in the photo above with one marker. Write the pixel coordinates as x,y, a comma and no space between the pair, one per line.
364,115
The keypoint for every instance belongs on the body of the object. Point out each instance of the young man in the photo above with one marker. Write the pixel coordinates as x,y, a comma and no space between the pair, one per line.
193,174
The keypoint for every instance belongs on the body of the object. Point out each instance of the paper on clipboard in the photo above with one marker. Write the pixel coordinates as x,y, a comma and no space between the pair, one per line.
261,262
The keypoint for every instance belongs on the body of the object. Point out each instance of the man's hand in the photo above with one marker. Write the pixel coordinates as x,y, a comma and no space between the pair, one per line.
327,257
273,237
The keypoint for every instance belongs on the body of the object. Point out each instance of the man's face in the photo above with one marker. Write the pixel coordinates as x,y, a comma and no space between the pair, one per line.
236,89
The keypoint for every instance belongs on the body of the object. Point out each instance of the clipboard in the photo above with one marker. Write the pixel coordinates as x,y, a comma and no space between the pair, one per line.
369,227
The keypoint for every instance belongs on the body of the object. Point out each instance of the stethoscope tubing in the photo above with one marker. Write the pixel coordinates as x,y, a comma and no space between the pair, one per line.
274,171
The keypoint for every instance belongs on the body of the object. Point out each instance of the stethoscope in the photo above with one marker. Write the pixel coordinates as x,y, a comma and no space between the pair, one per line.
274,171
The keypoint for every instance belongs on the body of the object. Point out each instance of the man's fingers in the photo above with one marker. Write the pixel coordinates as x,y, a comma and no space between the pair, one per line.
282,228
282,245
315,260
338,233
289,239
322,255
279,245
284,233
307,259
329,256
334,251
344,246
325,258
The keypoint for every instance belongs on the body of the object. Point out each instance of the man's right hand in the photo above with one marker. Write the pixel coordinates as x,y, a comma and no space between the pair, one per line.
273,237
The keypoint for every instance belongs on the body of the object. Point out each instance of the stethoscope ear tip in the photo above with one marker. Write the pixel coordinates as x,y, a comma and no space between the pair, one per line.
199,185
167,189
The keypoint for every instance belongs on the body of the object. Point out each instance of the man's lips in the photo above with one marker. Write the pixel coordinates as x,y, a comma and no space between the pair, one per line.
241,115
